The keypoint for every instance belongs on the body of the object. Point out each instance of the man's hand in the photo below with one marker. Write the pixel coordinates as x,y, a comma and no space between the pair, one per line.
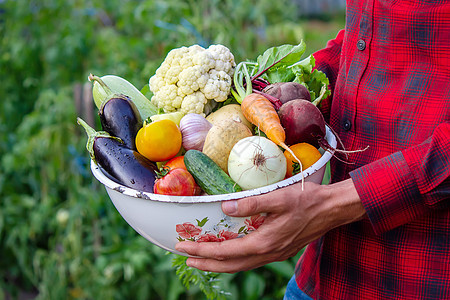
294,219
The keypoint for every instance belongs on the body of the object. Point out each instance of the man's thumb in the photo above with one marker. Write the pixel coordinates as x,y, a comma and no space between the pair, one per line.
243,207
230,207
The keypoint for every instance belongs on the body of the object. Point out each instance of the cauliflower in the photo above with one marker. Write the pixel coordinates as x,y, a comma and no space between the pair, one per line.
191,77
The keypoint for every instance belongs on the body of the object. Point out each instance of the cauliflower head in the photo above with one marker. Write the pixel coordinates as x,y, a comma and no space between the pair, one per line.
191,77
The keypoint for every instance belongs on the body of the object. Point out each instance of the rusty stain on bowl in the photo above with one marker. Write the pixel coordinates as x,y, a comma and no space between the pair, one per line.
119,189
143,196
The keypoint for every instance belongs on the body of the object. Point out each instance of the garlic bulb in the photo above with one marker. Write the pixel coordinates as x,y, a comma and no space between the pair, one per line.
194,128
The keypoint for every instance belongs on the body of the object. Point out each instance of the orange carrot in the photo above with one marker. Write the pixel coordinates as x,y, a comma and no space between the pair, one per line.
259,111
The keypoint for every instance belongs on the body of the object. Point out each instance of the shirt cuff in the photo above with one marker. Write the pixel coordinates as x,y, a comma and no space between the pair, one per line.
388,192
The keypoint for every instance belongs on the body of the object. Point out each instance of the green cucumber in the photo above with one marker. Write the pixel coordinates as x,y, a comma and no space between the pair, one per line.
111,84
208,175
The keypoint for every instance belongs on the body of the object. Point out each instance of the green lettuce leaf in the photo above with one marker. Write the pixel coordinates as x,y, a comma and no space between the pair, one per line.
316,81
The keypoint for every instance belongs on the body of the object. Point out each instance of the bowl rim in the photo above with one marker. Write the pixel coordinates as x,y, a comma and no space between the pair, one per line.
112,185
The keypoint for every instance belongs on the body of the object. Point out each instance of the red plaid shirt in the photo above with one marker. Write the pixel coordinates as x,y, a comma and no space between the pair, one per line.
390,76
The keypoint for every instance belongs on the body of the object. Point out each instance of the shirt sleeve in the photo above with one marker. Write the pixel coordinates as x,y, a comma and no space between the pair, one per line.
327,61
402,187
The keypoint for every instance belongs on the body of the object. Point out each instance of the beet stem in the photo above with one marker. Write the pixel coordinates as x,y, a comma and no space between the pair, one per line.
260,84
275,101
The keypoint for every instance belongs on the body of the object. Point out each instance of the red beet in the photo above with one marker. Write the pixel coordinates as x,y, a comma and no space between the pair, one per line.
287,91
302,122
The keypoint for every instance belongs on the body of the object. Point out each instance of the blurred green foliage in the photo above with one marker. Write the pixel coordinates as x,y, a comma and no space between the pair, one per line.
60,236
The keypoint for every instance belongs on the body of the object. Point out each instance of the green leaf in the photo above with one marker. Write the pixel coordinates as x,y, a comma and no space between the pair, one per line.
202,222
205,281
295,168
282,55
254,286
306,64
146,91
280,74
316,81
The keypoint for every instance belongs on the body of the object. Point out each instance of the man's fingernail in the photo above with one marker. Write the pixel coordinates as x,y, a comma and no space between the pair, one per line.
180,249
190,263
229,207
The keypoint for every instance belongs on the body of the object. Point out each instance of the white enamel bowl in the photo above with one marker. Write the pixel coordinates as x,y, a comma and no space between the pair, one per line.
164,220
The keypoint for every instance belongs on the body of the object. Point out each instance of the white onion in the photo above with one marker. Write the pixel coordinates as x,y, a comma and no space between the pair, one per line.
256,162
194,128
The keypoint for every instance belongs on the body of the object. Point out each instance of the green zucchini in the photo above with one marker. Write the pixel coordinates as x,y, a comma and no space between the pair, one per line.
111,84
208,175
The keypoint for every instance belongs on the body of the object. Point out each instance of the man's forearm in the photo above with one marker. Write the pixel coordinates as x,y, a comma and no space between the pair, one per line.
344,202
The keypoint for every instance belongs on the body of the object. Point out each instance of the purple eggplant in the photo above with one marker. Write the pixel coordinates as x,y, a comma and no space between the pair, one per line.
124,165
120,117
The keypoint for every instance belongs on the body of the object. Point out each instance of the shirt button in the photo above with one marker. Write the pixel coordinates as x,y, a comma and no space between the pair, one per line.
347,125
361,45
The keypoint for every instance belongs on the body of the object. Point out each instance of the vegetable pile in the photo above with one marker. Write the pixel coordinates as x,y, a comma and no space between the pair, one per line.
211,126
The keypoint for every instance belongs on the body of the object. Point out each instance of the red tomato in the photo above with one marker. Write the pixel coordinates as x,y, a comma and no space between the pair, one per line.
176,182
176,162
